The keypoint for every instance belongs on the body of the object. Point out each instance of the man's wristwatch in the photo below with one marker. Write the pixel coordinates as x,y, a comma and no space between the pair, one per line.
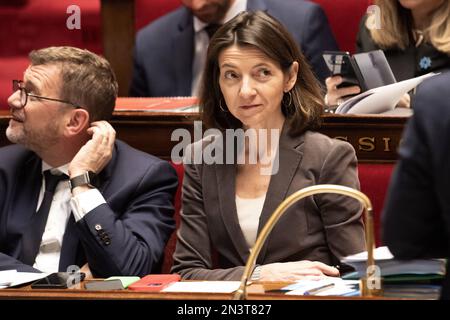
88,178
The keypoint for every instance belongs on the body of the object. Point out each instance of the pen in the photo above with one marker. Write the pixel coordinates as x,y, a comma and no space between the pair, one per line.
318,289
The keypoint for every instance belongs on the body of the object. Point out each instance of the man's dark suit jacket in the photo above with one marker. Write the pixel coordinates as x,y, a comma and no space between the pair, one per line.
138,215
164,49
416,219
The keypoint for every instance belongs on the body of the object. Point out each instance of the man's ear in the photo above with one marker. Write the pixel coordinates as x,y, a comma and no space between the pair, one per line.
291,78
77,121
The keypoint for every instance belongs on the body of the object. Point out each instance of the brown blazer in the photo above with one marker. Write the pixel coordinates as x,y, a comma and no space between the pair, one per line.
320,228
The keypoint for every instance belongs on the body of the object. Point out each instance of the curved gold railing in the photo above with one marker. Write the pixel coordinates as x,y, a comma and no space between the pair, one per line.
366,289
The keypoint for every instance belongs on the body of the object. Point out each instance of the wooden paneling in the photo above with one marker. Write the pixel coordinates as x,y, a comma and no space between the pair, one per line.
375,138
118,39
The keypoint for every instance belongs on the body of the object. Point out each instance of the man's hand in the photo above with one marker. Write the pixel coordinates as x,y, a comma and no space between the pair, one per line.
87,272
97,152
292,271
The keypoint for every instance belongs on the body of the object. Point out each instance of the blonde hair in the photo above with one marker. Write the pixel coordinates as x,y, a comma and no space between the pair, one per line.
397,26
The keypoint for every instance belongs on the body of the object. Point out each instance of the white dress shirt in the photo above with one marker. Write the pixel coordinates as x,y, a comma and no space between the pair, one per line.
249,211
202,41
47,260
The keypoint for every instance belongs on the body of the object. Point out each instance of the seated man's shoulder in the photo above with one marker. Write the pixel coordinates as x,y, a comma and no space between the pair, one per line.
136,159
293,7
14,154
162,26
431,99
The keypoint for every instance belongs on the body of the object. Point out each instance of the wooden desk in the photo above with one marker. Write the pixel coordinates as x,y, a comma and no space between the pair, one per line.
256,292
375,138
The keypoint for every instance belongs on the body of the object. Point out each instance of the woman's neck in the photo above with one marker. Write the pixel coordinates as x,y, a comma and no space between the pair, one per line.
422,16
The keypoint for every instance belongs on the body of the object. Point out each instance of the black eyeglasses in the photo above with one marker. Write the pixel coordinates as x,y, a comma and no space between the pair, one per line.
24,94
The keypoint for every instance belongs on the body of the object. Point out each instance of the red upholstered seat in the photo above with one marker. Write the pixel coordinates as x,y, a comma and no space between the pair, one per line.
42,23
149,10
170,246
374,179
344,17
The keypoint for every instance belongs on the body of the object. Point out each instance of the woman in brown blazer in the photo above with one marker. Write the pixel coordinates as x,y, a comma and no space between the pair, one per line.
257,83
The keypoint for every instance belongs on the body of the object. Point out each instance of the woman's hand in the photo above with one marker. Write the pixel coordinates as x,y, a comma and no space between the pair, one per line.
291,271
334,95
405,101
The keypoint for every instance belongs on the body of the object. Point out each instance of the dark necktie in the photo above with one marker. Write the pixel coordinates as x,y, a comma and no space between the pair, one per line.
211,29
32,238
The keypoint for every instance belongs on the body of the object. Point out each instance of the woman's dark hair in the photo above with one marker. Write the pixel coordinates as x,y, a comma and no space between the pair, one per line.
302,106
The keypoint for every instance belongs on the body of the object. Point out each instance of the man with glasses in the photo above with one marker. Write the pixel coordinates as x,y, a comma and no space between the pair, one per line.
70,193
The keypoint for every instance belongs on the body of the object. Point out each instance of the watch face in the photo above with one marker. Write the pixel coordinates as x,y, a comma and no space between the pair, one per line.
93,179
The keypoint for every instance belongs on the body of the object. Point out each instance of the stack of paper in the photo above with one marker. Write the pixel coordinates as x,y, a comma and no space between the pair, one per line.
390,266
11,278
381,99
329,286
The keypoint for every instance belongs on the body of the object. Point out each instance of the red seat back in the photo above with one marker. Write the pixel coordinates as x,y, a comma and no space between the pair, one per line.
374,179
170,246
344,17
148,10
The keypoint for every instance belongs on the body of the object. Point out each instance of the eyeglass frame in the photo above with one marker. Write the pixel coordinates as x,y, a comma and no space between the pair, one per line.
18,85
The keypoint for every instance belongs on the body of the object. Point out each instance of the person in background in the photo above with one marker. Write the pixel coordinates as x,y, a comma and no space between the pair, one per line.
414,35
170,53
70,192
416,216
257,80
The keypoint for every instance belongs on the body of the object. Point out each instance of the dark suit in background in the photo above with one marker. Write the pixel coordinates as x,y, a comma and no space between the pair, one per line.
137,217
320,228
164,49
416,219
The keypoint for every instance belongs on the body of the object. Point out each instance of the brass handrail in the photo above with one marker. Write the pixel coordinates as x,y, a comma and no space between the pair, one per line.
366,290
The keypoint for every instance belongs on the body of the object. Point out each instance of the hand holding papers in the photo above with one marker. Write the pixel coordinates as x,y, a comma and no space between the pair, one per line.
381,99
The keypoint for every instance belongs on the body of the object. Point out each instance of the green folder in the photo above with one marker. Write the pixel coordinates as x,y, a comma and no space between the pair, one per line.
126,281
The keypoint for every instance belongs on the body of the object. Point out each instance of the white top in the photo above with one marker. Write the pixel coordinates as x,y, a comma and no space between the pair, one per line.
202,41
47,260
249,211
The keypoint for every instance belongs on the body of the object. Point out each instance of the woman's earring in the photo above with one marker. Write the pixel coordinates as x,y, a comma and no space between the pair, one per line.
289,107
220,106
289,103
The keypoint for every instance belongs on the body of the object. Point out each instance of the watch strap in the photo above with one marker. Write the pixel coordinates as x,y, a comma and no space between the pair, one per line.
86,178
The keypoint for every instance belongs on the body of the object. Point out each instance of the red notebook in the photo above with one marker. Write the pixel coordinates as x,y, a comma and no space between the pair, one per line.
160,104
154,282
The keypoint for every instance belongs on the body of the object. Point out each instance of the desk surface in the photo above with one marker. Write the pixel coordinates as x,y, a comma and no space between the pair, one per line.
256,291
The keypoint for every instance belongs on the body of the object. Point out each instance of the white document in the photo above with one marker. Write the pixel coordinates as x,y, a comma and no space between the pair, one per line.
330,286
11,278
391,266
381,99
203,286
